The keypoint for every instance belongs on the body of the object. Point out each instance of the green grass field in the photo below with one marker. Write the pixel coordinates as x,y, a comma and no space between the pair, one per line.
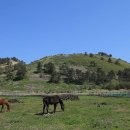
83,114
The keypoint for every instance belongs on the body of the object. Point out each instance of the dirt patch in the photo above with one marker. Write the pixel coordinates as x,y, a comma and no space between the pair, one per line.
100,104
14,101
122,109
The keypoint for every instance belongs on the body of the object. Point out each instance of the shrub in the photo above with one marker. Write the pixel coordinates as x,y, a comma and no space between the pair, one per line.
115,85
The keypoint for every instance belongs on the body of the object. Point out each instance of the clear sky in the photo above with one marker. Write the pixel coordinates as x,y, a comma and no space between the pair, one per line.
32,29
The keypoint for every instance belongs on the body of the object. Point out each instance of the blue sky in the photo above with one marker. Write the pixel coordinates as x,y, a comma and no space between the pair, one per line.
32,29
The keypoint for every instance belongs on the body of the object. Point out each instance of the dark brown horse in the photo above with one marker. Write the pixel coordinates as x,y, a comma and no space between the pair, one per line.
52,100
4,102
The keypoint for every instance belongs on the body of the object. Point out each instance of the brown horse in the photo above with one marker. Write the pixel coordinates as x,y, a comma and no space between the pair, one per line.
4,102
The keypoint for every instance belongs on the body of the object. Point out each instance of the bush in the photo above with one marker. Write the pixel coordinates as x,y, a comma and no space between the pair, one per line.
110,60
91,55
115,85
49,68
21,72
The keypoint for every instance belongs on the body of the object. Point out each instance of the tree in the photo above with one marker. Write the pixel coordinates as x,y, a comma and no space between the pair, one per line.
1,70
110,75
9,72
63,69
49,68
110,60
17,66
92,76
85,53
104,54
15,59
70,75
75,76
91,55
21,72
124,75
10,75
87,75
101,76
119,74
79,77
39,67
55,77
4,60
110,55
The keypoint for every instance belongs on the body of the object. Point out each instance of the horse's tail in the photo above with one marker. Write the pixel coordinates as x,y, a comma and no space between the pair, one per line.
8,105
61,104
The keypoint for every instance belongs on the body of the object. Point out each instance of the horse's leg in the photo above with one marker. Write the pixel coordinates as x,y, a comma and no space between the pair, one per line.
47,106
2,108
61,104
55,105
44,108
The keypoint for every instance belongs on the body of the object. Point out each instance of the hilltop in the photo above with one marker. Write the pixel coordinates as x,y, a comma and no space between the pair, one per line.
84,62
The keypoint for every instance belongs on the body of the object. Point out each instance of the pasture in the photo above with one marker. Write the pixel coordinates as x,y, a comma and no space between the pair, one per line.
88,113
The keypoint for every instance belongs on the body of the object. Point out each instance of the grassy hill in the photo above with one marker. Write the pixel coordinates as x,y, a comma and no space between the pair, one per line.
83,62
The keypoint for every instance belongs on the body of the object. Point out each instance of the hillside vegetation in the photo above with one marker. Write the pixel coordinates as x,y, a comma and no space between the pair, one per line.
65,72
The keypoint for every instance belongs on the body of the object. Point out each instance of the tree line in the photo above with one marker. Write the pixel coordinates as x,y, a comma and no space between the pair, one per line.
7,60
76,76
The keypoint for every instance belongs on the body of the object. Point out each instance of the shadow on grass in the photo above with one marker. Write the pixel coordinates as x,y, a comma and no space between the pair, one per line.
49,113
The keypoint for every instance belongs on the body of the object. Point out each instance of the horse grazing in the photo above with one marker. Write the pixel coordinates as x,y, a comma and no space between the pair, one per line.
52,100
4,102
